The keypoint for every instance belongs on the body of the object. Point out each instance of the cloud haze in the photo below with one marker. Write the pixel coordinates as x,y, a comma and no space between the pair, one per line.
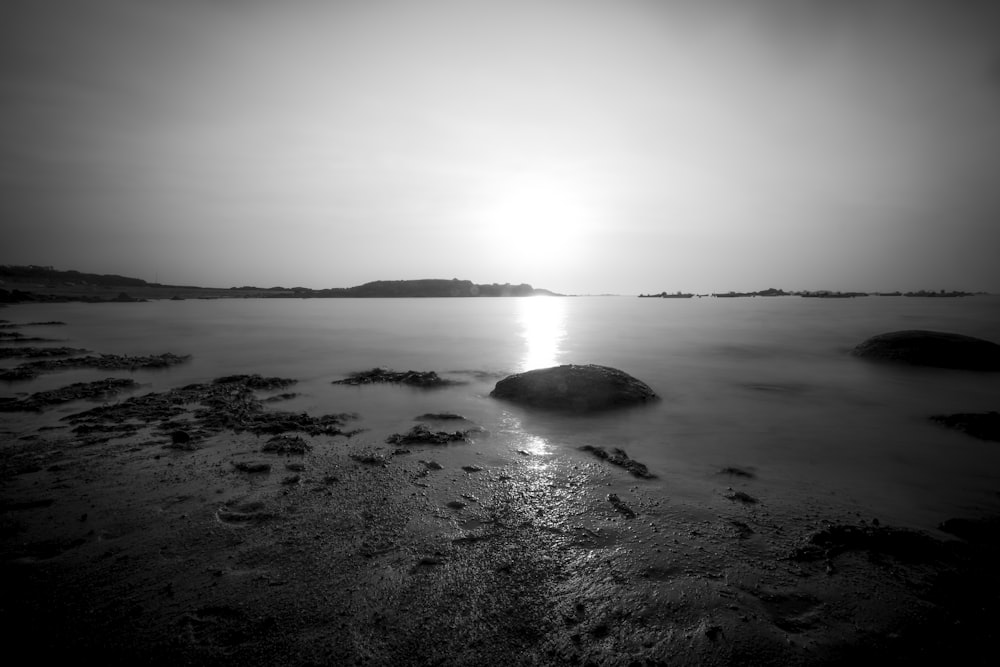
579,146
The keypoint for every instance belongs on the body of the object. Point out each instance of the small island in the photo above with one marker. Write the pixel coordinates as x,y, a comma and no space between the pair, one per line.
812,294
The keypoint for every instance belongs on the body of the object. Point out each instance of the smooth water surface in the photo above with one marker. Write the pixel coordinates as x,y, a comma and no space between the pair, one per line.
764,384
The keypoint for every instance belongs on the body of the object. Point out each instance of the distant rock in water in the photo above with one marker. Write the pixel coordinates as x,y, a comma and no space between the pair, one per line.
574,388
932,348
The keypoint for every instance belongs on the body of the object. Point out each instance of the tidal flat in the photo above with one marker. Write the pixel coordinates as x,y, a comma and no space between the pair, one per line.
202,522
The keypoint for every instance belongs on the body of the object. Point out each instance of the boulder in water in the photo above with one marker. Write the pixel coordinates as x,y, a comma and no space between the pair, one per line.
574,388
932,348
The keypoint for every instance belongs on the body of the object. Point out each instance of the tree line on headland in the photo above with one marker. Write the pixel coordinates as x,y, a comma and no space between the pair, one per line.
25,284
44,283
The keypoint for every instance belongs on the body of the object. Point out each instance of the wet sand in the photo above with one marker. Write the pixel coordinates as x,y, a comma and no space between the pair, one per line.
141,547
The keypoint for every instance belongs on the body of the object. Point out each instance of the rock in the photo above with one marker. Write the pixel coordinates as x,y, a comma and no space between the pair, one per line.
225,403
622,508
736,472
618,457
574,388
985,531
932,348
421,435
439,416
371,458
255,381
743,497
422,379
108,362
40,352
180,437
902,543
182,441
91,391
252,466
985,426
286,444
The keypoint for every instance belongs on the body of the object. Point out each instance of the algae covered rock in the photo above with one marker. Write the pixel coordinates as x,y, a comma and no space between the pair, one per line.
574,388
932,348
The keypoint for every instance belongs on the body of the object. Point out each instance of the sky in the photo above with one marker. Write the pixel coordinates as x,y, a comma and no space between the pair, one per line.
586,147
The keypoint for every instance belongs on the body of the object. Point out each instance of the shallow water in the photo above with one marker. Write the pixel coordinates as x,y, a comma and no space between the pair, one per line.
764,384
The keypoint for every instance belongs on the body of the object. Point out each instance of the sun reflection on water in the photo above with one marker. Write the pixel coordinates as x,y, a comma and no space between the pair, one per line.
543,327
537,449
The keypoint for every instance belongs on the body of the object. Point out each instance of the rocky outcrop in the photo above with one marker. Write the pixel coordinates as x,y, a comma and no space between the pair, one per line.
423,379
107,362
422,435
932,348
574,388
78,391
618,457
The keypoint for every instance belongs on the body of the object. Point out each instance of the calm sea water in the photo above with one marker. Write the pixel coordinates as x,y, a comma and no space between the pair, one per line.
765,384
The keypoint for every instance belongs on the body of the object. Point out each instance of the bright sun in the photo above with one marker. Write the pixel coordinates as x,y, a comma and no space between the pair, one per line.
534,218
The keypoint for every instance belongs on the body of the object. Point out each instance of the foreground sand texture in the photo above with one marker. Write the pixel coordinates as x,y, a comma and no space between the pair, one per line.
141,546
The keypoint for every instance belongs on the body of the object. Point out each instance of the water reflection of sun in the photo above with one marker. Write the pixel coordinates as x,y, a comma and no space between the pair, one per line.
543,327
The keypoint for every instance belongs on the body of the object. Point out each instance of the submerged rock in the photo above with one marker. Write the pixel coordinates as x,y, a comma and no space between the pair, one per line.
40,352
901,543
227,403
107,362
985,425
286,444
422,435
91,391
618,457
617,503
574,388
932,348
439,416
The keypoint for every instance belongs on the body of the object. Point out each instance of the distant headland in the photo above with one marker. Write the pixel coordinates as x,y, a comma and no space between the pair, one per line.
817,294
26,284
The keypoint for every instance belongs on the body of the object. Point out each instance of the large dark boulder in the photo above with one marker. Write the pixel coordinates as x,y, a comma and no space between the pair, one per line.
932,348
574,388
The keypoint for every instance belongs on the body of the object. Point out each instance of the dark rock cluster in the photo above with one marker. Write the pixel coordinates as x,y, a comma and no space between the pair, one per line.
421,434
228,403
90,391
618,457
423,379
107,362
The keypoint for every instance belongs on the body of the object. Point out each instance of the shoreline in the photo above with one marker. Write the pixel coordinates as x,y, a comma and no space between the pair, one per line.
132,550
204,525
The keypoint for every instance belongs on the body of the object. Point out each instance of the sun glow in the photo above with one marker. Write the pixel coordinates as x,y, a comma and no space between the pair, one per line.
536,217
543,327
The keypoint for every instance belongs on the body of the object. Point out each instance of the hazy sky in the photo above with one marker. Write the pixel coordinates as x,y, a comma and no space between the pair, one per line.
585,147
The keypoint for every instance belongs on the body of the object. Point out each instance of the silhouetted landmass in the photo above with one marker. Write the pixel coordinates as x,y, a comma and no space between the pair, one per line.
939,293
48,274
25,284
815,294
428,287
664,295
